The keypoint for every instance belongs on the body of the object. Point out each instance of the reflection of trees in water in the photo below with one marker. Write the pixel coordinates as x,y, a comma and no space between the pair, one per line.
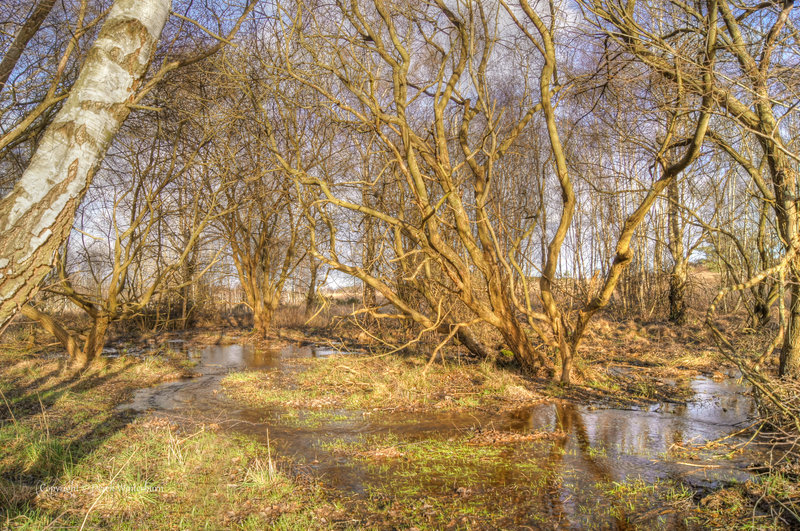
264,358
570,421
589,470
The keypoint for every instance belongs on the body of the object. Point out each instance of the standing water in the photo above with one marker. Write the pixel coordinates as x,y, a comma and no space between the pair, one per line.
593,451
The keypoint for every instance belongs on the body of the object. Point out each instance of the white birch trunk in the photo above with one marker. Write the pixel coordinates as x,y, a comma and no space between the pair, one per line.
36,217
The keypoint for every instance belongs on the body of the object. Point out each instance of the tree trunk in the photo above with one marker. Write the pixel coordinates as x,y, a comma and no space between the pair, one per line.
760,312
677,279
790,352
764,291
369,298
677,292
528,357
25,34
95,341
476,348
92,347
262,319
311,294
36,217
566,352
64,336
263,313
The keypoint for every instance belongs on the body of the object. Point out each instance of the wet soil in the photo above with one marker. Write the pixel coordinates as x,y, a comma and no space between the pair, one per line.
571,463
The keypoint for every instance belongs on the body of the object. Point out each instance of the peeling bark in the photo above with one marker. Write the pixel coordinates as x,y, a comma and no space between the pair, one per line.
36,217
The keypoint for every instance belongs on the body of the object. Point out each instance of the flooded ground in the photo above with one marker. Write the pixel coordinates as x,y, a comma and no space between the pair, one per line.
570,466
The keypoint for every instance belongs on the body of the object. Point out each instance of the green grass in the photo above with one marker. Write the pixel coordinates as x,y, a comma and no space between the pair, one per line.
437,482
68,455
150,476
90,461
311,419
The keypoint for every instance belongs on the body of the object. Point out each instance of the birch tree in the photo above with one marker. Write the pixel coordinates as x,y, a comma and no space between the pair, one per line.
37,215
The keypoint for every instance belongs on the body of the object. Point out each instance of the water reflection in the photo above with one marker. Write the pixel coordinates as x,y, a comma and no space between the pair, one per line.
599,446
233,357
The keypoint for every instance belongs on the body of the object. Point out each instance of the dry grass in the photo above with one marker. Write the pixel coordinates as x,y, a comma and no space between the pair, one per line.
384,382
663,349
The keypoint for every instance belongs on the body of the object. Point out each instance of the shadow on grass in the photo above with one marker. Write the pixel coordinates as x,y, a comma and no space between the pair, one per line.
48,426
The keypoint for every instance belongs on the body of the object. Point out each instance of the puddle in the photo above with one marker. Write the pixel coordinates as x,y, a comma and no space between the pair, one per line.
600,446
201,396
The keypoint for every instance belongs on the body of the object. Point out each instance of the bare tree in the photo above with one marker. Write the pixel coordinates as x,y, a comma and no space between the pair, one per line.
22,38
754,83
36,216
122,262
262,224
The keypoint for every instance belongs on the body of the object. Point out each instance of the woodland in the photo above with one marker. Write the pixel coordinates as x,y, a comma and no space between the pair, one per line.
478,206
